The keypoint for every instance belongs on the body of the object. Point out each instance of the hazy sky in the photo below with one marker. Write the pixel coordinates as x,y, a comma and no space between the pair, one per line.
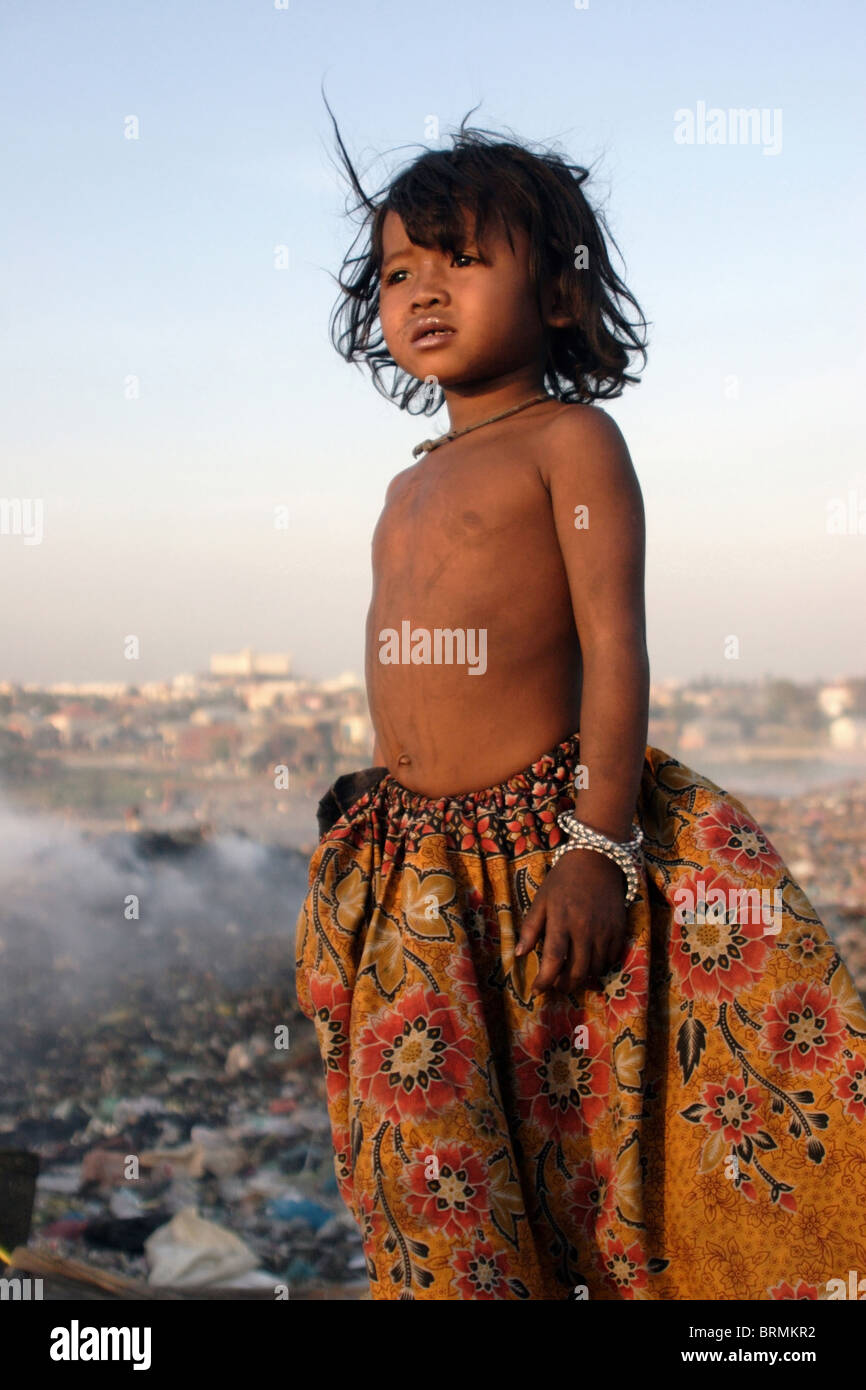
154,258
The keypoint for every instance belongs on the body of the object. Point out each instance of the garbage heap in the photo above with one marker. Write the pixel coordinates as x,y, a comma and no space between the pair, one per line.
177,1143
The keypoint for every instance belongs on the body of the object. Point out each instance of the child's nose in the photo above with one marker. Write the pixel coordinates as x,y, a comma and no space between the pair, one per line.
427,299
429,290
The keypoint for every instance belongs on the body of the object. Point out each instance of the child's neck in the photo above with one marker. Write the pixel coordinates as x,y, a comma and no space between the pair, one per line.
475,401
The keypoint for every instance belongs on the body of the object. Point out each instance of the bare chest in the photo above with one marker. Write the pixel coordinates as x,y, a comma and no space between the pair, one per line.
450,525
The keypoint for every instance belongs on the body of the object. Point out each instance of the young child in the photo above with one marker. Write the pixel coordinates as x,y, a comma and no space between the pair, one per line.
562,1061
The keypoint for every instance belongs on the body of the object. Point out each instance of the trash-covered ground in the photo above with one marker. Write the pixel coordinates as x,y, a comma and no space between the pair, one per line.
180,1085
160,1068
152,1055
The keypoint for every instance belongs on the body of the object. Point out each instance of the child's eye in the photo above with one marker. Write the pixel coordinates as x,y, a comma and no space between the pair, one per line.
459,256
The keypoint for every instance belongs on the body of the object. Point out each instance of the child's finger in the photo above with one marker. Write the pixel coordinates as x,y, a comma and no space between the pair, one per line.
580,963
532,927
600,961
553,956
561,981
617,947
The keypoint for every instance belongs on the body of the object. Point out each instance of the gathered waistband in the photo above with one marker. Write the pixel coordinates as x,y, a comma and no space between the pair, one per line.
550,773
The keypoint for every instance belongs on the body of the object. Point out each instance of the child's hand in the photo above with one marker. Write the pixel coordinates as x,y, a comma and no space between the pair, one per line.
581,909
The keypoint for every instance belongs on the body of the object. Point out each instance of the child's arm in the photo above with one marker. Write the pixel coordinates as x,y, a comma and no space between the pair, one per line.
589,466
582,904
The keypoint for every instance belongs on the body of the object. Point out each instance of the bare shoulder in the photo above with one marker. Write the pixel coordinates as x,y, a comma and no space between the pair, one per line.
583,441
400,481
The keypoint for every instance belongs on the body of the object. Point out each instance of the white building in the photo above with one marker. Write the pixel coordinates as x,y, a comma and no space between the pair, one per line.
356,730
835,700
347,680
107,690
250,663
848,733
265,694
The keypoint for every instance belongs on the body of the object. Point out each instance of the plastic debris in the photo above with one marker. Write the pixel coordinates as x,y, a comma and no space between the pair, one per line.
290,1208
60,1180
103,1166
124,1233
242,1056
191,1252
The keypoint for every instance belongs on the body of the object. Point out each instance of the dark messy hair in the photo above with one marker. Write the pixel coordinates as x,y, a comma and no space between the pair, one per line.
494,178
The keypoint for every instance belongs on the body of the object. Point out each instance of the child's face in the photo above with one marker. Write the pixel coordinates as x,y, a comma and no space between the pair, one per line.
489,305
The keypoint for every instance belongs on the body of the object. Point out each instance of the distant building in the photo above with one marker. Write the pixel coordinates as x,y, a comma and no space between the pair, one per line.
75,723
155,691
835,700
265,694
214,714
661,733
707,732
355,731
33,730
250,663
207,742
848,732
108,690
665,693
23,724
775,731
347,680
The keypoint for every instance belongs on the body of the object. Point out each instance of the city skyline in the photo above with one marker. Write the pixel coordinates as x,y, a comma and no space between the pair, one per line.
347,676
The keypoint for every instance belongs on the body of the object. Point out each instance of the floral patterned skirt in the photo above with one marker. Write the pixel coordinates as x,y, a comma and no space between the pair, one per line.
692,1130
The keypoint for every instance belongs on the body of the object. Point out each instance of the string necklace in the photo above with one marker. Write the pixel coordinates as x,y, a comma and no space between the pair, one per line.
429,444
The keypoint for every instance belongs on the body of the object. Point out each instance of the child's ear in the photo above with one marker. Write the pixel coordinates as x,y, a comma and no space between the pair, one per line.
555,311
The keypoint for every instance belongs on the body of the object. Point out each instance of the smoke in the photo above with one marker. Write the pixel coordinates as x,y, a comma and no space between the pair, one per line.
84,914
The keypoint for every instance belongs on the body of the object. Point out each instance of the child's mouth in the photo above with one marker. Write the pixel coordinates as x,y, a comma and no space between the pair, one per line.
435,338
431,332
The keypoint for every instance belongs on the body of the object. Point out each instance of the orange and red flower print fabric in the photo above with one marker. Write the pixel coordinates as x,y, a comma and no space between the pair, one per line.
694,1128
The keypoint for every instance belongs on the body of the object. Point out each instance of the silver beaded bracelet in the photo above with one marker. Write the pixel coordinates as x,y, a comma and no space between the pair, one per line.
627,855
